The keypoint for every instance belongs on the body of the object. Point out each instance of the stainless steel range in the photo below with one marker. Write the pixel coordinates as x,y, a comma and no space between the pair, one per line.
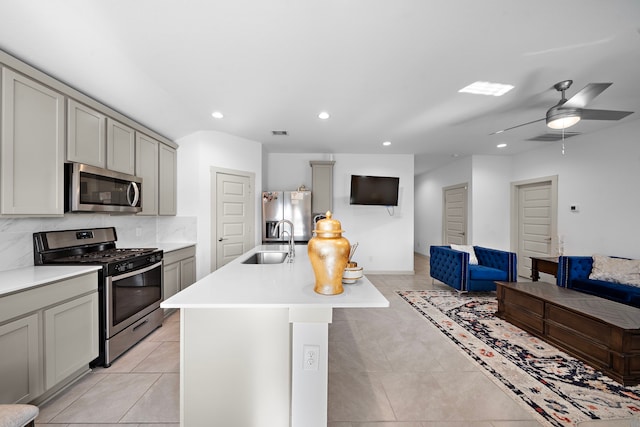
129,288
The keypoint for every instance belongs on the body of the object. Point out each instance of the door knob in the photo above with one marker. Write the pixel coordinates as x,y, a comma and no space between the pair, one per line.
222,238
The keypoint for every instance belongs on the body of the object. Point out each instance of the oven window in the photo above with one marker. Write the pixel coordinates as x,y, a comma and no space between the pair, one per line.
135,293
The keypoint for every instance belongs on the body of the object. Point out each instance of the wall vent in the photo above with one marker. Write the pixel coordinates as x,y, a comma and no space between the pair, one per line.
279,132
552,137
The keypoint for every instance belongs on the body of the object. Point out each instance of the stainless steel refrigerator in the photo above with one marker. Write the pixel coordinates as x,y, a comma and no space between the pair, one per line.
294,206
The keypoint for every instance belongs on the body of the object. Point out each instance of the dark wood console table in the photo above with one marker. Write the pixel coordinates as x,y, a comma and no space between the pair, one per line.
602,333
547,265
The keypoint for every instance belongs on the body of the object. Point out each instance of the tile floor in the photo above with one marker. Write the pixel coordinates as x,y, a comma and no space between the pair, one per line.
387,368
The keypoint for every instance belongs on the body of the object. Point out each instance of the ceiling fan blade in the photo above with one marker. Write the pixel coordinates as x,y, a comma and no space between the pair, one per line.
582,98
604,114
517,126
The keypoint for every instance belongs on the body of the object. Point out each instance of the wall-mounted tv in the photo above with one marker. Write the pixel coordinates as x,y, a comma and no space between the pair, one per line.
374,190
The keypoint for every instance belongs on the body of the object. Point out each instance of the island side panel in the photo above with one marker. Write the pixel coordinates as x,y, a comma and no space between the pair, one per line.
235,367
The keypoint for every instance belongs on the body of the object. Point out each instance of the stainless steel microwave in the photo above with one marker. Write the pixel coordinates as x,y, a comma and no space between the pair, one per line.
92,189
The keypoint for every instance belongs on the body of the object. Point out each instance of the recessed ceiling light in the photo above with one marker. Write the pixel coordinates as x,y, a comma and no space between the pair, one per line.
503,145
487,88
217,115
323,115
386,143
279,133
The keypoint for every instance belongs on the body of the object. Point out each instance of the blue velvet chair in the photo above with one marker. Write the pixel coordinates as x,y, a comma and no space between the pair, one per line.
452,268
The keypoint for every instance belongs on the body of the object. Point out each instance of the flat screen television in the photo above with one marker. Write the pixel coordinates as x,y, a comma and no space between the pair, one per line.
374,190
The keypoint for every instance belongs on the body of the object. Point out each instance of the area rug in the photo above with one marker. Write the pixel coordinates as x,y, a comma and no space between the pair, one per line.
560,389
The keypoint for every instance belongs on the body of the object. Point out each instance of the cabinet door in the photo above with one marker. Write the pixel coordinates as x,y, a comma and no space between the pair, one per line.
187,272
32,148
20,360
86,135
321,186
167,181
147,168
121,147
171,281
70,337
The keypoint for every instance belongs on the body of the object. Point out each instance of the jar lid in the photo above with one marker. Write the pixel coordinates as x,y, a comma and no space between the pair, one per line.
328,225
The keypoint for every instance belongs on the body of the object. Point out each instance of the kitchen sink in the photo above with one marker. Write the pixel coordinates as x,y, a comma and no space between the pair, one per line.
266,258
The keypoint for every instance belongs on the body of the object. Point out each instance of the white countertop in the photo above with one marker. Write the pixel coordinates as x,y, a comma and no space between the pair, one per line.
21,279
291,285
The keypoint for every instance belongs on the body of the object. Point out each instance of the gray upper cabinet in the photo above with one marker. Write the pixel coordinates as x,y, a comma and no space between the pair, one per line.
32,156
121,147
321,186
45,123
167,181
147,168
86,135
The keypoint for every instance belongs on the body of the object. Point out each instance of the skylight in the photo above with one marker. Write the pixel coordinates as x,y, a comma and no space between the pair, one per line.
487,88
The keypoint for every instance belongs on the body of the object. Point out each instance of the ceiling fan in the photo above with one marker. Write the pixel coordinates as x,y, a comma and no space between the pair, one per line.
567,113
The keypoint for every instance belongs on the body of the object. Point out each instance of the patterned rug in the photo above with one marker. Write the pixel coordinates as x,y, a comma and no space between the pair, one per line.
559,388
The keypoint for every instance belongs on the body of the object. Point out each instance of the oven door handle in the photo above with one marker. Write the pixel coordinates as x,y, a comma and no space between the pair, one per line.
136,194
135,272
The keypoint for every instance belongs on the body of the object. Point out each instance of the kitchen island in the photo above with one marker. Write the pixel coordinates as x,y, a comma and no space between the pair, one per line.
254,343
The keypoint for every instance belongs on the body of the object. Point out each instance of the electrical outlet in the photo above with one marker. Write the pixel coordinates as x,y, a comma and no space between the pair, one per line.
310,356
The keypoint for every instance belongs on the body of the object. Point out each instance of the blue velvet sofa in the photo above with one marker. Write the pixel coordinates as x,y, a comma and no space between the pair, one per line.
573,273
452,268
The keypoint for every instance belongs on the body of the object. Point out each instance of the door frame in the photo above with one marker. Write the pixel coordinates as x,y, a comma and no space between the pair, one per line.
465,186
214,171
515,225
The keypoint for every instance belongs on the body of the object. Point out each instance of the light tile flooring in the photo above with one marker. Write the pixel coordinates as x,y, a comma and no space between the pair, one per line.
387,368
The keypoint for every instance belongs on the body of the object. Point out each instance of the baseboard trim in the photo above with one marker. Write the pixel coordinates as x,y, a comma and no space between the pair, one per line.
400,273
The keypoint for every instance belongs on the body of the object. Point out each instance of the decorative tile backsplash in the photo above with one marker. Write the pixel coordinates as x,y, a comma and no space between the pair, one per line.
16,234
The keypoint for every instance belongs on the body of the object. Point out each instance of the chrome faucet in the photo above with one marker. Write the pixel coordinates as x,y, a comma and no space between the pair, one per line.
292,250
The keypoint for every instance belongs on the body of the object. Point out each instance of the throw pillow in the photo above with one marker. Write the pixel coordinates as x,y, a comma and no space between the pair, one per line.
617,270
473,260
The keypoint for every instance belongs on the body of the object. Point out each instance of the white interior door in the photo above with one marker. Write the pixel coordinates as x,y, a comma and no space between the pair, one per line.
536,219
454,227
233,233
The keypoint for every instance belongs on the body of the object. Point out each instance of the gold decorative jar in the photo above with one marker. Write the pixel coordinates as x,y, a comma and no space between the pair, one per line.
329,254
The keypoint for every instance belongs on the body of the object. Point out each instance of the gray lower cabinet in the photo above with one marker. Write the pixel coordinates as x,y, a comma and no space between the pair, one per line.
171,281
70,337
48,336
179,271
20,366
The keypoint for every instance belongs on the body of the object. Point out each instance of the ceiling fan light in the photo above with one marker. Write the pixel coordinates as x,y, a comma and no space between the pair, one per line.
562,118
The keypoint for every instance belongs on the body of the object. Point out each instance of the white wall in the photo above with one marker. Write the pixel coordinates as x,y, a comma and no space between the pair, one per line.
490,201
428,202
599,172
197,153
385,241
